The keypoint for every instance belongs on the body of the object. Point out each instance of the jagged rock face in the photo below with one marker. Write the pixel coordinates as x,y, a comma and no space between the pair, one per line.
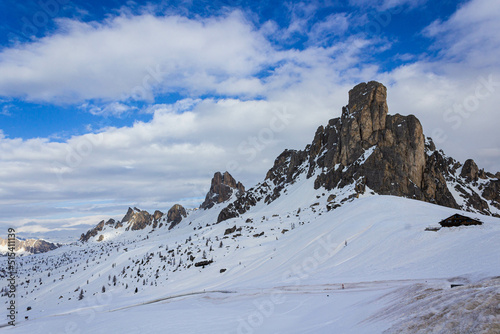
470,171
128,215
242,204
397,160
136,219
111,222
221,190
367,148
175,215
492,192
362,120
156,218
139,220
33,246
93,232
434,185
99,227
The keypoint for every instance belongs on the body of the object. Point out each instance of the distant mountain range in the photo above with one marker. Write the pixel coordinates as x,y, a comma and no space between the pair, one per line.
32,246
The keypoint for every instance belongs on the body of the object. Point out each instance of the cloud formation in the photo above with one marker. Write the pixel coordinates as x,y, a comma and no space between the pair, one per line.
133,56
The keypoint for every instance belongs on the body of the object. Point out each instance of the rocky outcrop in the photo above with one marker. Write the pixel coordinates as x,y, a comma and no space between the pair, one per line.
136,219
491,192
470,171
175,215
221,190
32,246
366,148
128,215
385,153
157,218
92,232
434,184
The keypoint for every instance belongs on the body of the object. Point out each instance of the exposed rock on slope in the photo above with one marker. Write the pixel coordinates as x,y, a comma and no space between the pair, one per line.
175,215
94,231
221,190
33,246
368,149
136,219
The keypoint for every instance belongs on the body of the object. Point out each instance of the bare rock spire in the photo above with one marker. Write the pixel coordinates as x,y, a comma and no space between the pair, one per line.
221,189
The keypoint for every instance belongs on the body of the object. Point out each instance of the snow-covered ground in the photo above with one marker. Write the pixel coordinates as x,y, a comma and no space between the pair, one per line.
282,272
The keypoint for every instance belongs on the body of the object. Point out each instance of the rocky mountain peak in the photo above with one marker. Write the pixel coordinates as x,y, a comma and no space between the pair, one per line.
175,215
366,149
221,189
368,146
368,106
138,220
128,215
368,99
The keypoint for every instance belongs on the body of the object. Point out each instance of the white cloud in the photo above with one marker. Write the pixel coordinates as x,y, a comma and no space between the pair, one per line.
387,4
332,26
114,109
135,56
5,111
470,34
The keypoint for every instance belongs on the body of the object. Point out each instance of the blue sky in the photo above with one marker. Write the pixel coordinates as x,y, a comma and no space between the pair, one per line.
106,104
58,119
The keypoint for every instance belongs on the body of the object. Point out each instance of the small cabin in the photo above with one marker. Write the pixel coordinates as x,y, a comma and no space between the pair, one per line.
459,220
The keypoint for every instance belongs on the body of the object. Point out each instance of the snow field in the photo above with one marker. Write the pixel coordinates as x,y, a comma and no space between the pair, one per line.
276,282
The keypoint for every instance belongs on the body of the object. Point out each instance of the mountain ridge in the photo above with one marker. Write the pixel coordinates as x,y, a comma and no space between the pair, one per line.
366,149
31,246
402,162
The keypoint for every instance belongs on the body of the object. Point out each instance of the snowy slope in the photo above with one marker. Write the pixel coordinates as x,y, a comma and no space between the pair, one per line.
283,270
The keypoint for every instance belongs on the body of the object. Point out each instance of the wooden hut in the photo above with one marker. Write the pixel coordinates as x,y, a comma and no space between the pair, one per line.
459,220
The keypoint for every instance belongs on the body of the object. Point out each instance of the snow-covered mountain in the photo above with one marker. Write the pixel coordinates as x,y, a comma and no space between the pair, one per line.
338,238
28,246
367,150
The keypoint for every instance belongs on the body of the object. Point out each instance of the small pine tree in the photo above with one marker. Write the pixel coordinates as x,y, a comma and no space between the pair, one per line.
220,245
80,297
136,290
103,289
